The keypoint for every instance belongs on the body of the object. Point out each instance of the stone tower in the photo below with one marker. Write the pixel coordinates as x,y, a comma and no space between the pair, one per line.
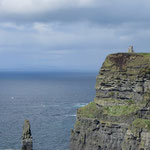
130,49
26,136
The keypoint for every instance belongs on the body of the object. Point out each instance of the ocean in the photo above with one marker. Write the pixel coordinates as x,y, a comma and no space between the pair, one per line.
48,100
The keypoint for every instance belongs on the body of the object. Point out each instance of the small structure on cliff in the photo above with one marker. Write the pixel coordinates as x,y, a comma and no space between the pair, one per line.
130,49
26,136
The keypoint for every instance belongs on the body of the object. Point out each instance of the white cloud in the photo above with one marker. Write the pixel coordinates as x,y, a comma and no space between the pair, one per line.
42,28
36,6
78,36
11,25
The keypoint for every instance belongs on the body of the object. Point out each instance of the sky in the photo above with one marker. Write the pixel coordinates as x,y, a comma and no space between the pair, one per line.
70,35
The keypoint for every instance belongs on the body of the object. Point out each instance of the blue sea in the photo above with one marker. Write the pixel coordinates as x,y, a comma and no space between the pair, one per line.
48,100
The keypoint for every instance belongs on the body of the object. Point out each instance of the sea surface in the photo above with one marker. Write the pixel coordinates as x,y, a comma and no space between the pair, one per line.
48,100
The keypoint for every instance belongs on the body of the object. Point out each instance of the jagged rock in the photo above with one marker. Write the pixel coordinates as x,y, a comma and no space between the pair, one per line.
26,136
119,116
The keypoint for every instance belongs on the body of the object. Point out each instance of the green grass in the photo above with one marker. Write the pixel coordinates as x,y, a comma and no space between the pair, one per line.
108,101
120,110
113,101
146,54
141,123
89,111
130,102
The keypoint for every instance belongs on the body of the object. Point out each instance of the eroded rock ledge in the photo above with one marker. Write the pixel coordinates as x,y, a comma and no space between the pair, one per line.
119,116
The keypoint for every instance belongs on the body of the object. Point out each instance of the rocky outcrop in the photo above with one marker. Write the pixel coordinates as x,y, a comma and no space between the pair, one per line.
26,136
119,116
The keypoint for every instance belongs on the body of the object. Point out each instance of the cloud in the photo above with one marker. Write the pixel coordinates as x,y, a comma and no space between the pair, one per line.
70,34
37,6
98,11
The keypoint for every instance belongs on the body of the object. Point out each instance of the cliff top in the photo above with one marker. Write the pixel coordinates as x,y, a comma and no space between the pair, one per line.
123,60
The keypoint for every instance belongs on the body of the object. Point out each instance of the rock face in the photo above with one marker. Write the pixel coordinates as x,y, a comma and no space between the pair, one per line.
119,116
26,136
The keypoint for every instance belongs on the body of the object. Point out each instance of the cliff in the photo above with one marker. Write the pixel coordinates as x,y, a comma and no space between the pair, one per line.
119,116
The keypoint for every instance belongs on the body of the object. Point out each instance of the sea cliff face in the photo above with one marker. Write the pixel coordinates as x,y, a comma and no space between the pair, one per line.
119,116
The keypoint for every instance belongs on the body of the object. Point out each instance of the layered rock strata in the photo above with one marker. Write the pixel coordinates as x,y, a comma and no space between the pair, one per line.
119,116
26,136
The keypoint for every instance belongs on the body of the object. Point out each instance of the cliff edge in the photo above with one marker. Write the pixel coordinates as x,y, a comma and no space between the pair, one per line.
119,116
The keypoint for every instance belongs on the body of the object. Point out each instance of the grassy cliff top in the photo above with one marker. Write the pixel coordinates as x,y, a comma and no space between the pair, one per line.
145,54
123,61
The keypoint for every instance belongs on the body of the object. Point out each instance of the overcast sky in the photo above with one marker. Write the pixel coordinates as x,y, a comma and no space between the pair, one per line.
70,35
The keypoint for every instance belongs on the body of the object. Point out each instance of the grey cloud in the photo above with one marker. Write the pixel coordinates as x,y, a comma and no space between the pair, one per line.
113,12
73,37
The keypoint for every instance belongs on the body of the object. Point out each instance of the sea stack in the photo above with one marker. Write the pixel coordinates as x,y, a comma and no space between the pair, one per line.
26,136
119,116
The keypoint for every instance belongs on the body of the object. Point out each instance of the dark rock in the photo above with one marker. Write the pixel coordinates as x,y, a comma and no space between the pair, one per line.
26,136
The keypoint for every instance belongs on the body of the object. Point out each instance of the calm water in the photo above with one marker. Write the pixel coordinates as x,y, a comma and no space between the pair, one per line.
48,100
